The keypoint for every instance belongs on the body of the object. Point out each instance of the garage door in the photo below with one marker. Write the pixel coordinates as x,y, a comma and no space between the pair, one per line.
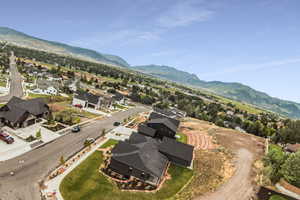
91,106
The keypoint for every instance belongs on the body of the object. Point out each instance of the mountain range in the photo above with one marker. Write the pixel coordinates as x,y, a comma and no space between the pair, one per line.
235,91
24,40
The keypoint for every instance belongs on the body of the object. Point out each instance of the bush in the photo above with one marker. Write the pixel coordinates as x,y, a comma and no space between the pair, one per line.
30,138
291,169
273,161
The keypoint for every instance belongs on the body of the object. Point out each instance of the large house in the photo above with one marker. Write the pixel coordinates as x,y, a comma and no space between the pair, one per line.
89,100
46,87
164,126
19,113
147,158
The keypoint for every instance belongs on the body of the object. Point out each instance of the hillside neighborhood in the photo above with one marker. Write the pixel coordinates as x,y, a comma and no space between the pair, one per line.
80,130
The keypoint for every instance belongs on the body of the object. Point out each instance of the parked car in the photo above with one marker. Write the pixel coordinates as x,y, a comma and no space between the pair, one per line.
76,129
90,140
78,105
117,123
6,138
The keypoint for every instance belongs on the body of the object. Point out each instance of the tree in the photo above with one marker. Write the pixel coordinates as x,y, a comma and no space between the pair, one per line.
62,160
291,169
87,143
273,161
103,132
38,134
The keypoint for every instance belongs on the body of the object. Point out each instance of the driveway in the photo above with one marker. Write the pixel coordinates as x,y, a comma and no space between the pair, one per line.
15,84
239,187
8,151
39,162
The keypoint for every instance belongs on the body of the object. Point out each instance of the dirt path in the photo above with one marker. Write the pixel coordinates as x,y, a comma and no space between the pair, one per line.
239,186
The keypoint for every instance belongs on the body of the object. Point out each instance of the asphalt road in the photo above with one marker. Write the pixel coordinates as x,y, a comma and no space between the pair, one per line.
39,162
15,83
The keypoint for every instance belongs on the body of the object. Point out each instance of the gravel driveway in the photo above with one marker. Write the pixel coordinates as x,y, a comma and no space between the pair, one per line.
239,187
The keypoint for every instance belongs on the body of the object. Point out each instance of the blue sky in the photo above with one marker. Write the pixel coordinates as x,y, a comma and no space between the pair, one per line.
254,42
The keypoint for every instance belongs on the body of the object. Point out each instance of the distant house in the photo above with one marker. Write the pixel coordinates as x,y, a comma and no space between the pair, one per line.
46,87
54,78
147,158
292,148
73,86
19,113
89,100
119,98
171,112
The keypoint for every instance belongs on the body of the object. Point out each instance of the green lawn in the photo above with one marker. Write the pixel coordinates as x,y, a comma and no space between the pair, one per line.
85,182
110,142
183,138
3,83
277,197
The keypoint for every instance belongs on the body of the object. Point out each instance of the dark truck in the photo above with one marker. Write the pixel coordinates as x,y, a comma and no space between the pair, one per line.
6,138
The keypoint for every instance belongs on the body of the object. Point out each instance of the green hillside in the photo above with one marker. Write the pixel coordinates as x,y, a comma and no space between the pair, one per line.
235,91
21,39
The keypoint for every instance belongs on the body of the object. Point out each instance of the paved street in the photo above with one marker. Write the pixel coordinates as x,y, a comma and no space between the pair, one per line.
37,163
16,82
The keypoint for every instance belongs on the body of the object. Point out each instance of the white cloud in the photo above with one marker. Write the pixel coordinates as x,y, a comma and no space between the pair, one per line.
252,67
184,13
117,38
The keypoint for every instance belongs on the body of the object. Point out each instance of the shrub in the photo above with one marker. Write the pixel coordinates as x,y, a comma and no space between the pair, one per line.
291,169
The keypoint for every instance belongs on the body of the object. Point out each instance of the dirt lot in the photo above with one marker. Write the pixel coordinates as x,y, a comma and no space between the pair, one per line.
245,149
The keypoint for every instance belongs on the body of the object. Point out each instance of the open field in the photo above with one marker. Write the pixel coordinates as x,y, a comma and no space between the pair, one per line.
215,175
86,183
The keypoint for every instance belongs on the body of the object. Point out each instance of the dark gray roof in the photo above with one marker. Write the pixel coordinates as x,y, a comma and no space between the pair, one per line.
86,96
16,108
165,112
44,84
155,115
118,96
142,153
174,148
164,121
145,130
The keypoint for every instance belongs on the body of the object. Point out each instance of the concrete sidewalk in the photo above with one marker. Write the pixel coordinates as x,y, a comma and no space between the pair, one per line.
52,186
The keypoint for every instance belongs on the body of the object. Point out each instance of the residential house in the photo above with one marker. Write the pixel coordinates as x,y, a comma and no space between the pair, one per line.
177,152
164,126
147,158
47,87
119,98
139,157
292,148
19,113
89,100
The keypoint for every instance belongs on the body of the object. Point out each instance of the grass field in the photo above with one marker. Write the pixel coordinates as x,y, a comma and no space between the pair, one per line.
85,182
109,143
276,197
3,83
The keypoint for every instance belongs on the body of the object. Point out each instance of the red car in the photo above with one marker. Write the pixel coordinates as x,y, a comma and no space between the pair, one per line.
6,138
78,105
